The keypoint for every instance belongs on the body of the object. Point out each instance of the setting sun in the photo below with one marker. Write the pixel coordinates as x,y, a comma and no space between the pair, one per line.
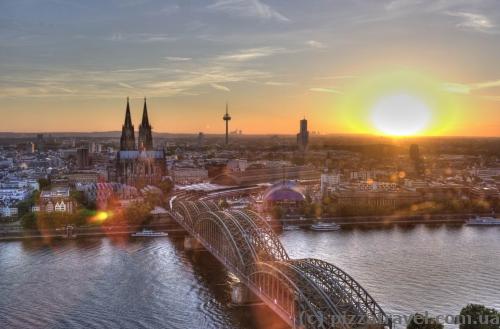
400,115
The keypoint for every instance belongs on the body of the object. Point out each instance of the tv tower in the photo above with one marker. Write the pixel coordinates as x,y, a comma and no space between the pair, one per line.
227,118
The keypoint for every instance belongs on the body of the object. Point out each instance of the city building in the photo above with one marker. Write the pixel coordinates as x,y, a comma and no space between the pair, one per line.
7,211
102,193
201,139
265,175
186,176
82,158
57,200
143,166
329,182
237,165
303,136
377,199
84,177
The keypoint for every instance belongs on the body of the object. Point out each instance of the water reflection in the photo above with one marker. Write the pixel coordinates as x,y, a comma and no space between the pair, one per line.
154,283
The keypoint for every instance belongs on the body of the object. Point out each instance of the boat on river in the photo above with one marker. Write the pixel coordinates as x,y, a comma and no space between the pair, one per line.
325,227
483,221
148,234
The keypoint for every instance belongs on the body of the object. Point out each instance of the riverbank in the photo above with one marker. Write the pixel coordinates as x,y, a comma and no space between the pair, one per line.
18,233
82,232
455,219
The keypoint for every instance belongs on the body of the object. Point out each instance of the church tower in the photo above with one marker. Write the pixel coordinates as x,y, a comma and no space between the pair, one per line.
127,141
145,141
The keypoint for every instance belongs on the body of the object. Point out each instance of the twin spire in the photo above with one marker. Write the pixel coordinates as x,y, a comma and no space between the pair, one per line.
145,140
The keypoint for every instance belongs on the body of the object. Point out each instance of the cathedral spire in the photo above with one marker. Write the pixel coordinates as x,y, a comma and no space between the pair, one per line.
128,118
145,119
127,140
145,133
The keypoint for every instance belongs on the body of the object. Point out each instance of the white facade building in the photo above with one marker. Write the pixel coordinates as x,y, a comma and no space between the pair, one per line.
329,182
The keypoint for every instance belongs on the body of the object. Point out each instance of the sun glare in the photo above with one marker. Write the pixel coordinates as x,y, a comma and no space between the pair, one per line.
400,115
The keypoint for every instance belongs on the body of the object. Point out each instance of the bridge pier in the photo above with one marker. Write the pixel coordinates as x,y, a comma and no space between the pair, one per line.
241,295
191,243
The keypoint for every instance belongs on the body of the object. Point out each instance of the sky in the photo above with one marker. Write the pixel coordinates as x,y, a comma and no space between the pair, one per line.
69,65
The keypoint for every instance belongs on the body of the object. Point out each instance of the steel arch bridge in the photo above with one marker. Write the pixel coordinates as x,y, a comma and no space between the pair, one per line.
305,293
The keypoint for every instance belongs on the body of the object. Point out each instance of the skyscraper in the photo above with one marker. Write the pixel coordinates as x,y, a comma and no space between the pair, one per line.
145,141
414,152
82,158
227,118
303,136
127,140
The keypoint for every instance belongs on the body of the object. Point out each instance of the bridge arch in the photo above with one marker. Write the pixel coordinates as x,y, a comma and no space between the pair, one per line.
307,293
227,239
262,236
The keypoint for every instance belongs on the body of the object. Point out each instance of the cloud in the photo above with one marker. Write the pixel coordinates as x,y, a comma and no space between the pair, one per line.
473,21
140,37
278,83
177,59
460,88
402,4
326,90
472,88
220,87
315,44
125,85
486,84
251,54
248,8
116,83
336,77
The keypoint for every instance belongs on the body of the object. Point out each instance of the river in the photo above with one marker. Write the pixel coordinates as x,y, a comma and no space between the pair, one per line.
152,283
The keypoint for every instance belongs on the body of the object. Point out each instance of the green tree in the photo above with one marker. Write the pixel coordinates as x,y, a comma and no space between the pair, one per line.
166,186
44,183
419,321
475,316
25,206
277,212
223,204
28,221
137,213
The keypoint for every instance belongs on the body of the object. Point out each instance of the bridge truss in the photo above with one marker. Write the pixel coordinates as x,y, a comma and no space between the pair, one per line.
305,293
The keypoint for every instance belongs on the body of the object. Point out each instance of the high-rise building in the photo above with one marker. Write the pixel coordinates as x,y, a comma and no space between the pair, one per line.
127,140
303,136
145,141
82,158
414,152
416,158
201,139
40,143
227,118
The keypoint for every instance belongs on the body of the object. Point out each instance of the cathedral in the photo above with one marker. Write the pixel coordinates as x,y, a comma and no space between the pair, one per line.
139,164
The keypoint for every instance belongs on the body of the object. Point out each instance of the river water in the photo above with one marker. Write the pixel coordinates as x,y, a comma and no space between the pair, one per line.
153,283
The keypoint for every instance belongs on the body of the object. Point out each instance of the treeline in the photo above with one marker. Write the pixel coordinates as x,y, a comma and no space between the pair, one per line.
328,207
86,214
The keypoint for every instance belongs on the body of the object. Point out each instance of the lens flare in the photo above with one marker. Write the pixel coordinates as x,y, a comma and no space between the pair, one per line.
100,217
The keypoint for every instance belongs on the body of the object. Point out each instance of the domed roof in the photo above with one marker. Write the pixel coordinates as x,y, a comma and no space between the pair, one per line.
284,191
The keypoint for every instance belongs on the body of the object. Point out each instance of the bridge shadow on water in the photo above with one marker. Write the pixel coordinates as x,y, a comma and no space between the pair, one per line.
210,273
